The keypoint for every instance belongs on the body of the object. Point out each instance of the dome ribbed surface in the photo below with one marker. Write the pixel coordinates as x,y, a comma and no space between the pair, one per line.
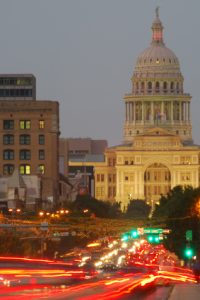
156,55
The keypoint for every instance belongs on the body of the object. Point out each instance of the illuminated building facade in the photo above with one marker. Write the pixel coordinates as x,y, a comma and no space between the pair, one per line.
158,152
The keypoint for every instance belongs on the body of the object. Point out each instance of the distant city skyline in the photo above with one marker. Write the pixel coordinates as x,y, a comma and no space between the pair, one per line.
83,54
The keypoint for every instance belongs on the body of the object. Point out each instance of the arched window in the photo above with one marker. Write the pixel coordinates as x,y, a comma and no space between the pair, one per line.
165,87
142,87
149,87
137,87
177,88
157,87
172,87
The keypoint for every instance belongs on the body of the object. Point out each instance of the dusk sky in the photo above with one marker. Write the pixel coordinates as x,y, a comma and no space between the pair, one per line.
83,54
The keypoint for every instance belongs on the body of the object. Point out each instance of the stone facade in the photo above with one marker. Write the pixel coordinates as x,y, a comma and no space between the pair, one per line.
158,152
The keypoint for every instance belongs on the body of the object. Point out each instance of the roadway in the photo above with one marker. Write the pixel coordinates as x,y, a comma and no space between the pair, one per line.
134,270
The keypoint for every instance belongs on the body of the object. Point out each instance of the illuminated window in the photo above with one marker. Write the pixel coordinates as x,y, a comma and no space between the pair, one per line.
25,139
25,169
25,154
41,124
25,124
41,139
41,154
8,139
8,124
8,169
41,169
8,154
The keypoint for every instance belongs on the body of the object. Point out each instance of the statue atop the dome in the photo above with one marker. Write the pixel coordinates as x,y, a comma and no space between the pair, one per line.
157,11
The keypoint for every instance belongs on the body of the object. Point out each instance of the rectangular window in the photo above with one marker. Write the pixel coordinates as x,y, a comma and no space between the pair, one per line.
98,177
114,177
102,177
25,124
25,169
8,154
25,139
8,139
8,124
8,169
41,124
25,154
41,154
41,139
109,177
41,169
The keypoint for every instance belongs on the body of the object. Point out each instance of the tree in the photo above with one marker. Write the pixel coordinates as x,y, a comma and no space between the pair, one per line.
138,209
102,209
178,209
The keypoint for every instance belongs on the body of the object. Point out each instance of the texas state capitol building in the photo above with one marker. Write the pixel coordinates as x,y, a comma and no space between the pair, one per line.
158,152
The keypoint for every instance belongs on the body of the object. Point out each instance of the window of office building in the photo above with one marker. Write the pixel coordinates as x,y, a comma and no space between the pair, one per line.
25,139
41,124
8,169
25,124
25,169
8,124
8,139
8,154
41,154
41,139
41,169
25,154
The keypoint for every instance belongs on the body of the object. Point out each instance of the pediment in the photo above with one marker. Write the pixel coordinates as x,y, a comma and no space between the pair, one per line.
156,131
157,138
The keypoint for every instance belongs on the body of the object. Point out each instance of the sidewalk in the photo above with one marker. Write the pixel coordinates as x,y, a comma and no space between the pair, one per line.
185,292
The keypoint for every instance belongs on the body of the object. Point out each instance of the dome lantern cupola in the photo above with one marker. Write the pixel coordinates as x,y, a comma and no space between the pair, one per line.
157,28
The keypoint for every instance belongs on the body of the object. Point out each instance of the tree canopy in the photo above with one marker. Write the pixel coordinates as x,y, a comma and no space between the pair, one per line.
137,209
102,209
179,210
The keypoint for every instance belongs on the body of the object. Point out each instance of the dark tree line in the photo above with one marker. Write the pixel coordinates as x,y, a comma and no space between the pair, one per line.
180,211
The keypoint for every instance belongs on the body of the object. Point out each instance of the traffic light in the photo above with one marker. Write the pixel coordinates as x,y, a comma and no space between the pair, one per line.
125,237
153,238
134,234
189,252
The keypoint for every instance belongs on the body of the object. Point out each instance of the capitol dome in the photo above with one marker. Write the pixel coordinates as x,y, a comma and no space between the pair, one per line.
157,60
157,98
